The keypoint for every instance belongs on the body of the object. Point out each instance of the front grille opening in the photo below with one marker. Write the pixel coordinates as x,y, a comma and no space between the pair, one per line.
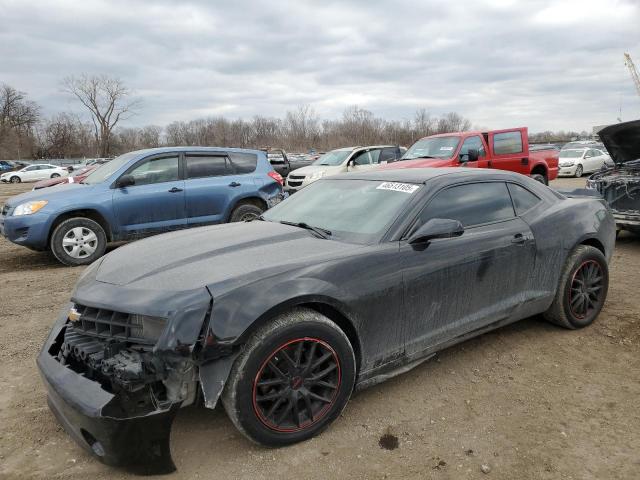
104,323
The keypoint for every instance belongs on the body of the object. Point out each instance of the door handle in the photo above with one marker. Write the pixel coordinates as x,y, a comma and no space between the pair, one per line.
234,184
175,190
519,239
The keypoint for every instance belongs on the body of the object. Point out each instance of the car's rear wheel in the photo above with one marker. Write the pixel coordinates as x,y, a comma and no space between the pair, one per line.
582,289
15,179
78,241
245,213
538,177
55,175
293,378
579,171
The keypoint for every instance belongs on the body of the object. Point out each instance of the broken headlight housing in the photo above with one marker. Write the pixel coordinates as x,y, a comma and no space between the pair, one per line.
147,327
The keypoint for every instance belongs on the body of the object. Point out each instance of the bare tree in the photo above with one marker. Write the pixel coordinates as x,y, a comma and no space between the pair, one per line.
18,117
107,99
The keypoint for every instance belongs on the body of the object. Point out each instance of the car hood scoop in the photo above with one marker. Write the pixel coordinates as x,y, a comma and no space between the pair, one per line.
622,141
203,256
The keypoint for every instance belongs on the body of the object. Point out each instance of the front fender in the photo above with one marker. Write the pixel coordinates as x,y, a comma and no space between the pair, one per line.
234,314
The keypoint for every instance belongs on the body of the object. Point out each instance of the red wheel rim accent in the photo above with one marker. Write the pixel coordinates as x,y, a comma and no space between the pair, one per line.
585,290
296,385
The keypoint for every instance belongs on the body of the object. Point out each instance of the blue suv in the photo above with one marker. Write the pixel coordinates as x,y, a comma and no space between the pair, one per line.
142,193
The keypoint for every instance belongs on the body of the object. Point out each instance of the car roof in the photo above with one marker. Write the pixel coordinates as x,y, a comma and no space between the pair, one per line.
423,175
151,151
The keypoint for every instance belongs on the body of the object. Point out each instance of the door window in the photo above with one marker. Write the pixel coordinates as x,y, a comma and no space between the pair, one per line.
523,199
507,142
156,170
471,204
388,154
31,169
362,158
375,155
472,143
199,166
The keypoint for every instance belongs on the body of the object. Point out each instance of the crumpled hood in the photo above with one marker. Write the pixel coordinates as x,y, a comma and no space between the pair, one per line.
65,192
622,141
216,255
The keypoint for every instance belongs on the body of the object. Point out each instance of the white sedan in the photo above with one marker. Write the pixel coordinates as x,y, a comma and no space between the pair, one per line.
574,162
34,173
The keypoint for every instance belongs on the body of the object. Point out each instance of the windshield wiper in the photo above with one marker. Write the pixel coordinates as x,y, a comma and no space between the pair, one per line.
321,232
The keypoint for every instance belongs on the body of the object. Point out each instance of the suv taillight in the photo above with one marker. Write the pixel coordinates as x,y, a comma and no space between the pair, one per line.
277,177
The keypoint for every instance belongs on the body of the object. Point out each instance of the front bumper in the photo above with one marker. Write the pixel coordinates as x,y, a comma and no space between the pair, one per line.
630,221
567,171
29,231
91,416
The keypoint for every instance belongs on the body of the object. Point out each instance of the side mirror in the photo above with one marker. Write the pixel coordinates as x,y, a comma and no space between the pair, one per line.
436,228
471,155
125,181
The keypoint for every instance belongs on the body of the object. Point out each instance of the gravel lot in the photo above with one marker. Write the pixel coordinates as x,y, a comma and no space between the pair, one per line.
529,401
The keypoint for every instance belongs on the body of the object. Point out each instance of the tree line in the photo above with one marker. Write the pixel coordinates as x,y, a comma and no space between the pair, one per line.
26,134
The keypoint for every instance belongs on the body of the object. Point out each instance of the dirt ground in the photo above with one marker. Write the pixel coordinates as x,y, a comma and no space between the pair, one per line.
529,401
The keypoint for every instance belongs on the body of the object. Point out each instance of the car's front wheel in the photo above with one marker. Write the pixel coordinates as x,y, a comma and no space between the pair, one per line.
15,179
55,175
579,171
78,241
582,289
292,379
538,177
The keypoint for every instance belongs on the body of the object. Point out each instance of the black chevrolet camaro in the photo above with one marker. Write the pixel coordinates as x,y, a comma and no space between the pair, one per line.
353,279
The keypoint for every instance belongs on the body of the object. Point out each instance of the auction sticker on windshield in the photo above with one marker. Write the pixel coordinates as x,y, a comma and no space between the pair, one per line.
398,187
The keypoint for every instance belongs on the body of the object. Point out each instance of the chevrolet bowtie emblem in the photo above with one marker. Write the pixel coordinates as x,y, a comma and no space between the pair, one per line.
74,315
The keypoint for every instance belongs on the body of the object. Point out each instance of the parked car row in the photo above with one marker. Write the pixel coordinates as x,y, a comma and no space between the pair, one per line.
33,173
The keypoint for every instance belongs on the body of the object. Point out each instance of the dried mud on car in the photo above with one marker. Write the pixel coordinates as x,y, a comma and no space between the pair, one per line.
527,401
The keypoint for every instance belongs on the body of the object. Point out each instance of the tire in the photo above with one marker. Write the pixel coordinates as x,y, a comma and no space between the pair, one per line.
245,212
55,175
92,241
248,403
579,171
15,179
567,308
538,177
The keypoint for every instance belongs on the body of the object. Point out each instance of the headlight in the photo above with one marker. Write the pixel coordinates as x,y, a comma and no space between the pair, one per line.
316,175
144,326
567,163
29,207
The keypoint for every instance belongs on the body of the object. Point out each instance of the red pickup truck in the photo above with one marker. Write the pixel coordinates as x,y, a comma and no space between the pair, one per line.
502,149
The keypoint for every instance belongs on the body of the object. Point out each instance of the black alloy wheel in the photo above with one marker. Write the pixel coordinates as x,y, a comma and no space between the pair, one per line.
586,289
296,385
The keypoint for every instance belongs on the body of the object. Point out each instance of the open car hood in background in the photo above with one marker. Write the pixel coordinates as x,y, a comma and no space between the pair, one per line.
622,141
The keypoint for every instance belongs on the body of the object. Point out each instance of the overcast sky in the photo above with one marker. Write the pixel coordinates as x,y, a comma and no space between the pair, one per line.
549,65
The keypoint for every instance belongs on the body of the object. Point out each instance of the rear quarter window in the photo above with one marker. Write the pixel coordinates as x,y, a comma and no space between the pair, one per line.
523,199
244,162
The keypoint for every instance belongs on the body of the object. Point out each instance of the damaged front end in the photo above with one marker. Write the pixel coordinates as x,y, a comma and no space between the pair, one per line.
116,380
620,188
620,185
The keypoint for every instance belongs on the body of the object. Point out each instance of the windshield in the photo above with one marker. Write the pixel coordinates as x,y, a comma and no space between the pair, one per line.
358,211
334,157
436,147
105,170
571,153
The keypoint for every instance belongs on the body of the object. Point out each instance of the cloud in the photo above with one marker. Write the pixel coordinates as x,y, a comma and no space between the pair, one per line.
548,64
